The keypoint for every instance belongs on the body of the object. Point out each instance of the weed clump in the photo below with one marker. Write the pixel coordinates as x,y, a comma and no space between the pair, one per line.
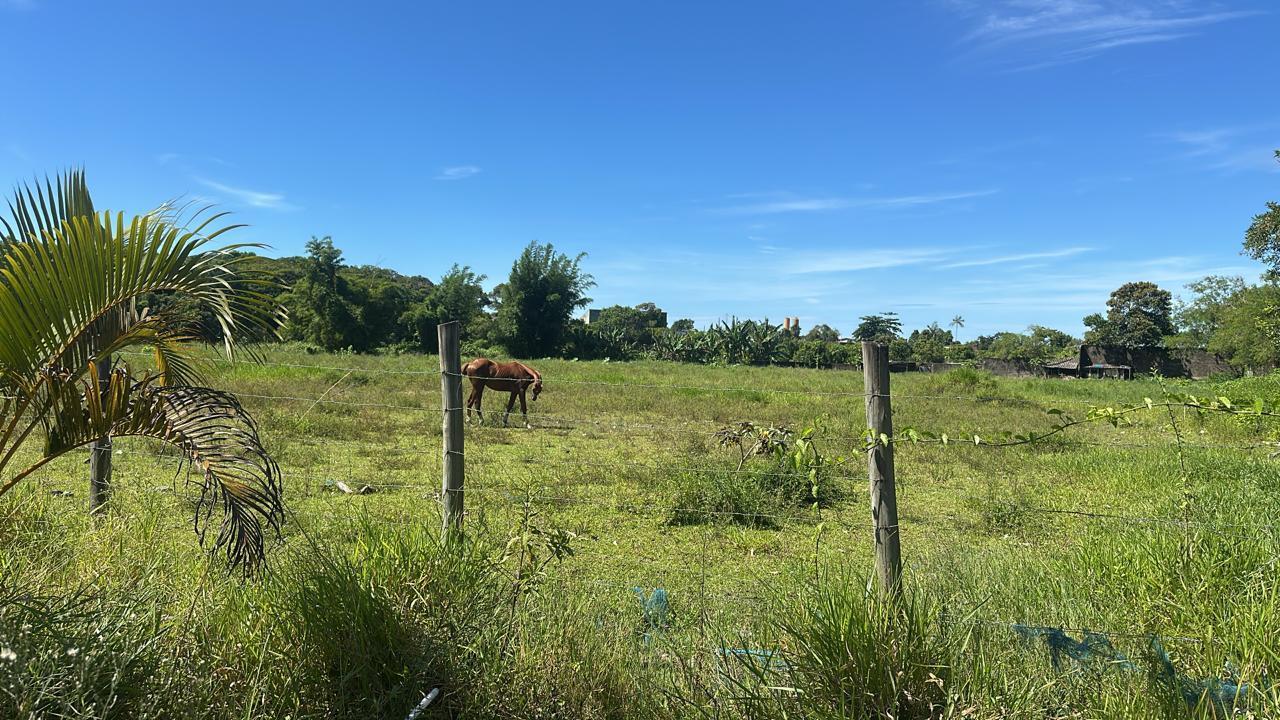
849,652
776,472
961,381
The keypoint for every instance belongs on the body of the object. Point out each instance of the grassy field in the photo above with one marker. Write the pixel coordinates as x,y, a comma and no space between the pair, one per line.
362,611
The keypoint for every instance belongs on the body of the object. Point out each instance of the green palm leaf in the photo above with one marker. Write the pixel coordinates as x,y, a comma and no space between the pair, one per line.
70,279
213,431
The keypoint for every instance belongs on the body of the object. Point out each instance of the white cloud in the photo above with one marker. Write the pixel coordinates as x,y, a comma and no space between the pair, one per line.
808,262
1034,34
254,198
1090,287
1066,252
458,172
842,203
1231,149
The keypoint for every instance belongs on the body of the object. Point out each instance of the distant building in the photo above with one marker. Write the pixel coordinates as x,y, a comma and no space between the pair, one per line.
591,316
1090,368
1099,361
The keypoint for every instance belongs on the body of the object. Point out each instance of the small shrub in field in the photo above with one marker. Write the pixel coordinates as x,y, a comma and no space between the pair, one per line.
961,381
1005,511
851,654
375,627
778,471
721,496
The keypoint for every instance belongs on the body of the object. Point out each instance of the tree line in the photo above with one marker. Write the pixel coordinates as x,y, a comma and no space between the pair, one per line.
533,313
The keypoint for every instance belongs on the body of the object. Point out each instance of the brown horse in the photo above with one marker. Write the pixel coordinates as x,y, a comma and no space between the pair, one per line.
513,377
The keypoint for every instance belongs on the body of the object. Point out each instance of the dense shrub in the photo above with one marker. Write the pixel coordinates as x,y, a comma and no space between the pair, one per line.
771,472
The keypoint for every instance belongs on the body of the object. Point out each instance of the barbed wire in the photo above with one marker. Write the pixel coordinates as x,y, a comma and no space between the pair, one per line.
433,490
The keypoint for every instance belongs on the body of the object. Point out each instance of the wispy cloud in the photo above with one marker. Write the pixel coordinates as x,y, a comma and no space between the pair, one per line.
808,262
792,205
253,198
1066,252
1034,34
17,151
1202,142
458,172
1230,149
1088,288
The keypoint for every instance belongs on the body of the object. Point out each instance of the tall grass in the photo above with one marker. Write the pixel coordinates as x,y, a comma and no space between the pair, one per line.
364,611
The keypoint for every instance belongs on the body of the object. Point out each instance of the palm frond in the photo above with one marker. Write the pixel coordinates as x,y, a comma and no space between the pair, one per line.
216,436
44,209
70,280
59,293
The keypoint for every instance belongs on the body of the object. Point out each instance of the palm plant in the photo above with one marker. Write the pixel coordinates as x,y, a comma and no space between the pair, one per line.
70,278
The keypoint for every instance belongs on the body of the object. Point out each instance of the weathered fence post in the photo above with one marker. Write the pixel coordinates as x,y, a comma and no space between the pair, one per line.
884,494
451,405
100,457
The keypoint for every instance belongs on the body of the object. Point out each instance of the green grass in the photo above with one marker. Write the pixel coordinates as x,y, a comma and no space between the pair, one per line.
363,611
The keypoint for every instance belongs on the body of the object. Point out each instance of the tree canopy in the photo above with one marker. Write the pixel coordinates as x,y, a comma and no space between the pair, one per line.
883,328
826,333
535,304
1139,314
459,296
1262,238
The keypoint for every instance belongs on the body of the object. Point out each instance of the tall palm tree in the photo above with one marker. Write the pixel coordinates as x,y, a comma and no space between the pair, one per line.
70,278
956,323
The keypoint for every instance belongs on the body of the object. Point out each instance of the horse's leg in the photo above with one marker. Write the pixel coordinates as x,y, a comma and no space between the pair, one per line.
511,403
471,400
524,410
479,391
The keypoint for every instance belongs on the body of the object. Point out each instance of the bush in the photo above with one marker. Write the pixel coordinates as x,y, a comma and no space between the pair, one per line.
777,472
850,654
480,348
375,627
962,381
720,495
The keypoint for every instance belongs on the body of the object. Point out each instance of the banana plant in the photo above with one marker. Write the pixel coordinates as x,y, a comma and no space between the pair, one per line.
70,278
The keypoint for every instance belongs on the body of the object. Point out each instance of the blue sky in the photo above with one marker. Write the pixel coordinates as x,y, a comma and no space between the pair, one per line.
1010,161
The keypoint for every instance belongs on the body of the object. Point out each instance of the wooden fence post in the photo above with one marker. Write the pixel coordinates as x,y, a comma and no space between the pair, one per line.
451,405
100,457
884,494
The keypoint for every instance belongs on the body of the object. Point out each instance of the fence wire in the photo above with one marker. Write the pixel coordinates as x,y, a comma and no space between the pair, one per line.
746,541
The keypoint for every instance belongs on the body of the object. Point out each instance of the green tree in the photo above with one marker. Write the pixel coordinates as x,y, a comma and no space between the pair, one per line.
825,333
1262,238
1038,343
1248,330
957,323
930,343
320,305
1139,314
882,328
1049,343
65,383
634,324
538,299
1199,319
458,296
682,326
